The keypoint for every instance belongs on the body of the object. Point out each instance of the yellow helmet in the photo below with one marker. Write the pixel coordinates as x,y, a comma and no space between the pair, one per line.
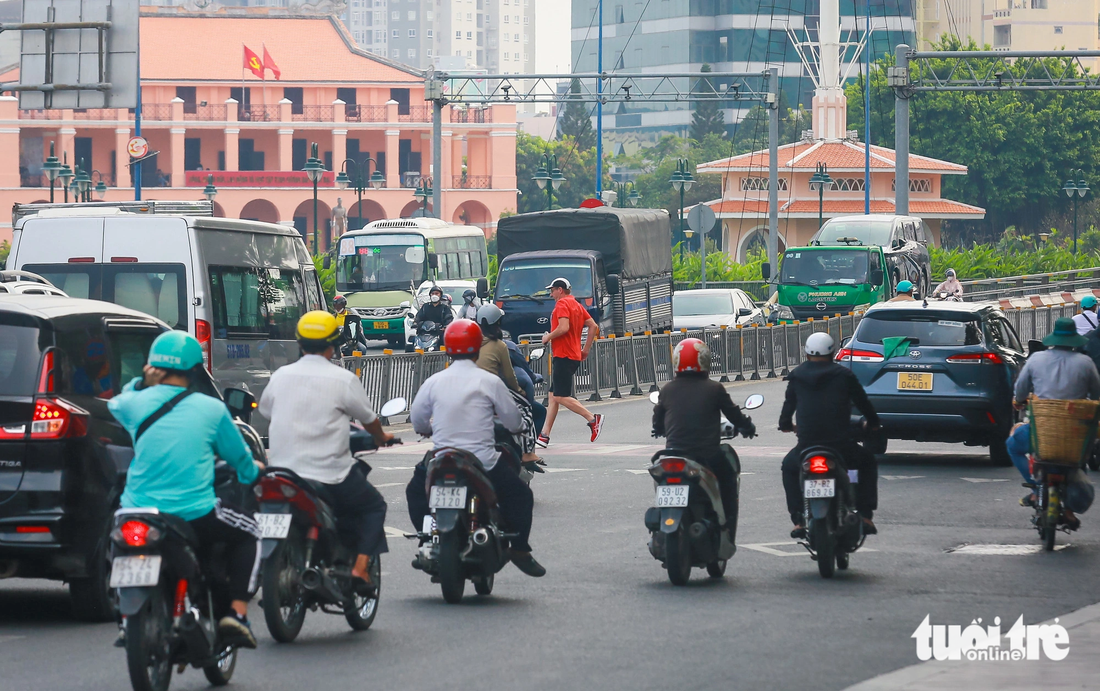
317,330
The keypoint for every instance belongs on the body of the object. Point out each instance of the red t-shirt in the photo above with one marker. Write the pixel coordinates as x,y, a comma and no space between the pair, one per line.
568,345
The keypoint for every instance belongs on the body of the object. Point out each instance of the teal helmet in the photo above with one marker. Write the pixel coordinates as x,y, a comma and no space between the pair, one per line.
905,287
175,350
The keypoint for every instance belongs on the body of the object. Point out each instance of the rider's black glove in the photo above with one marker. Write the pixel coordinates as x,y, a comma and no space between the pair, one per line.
746,429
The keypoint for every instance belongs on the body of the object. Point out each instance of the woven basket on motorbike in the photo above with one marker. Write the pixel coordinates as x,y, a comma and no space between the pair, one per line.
1062,431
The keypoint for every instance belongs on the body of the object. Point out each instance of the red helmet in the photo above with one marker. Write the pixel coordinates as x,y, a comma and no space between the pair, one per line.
462,337
691,355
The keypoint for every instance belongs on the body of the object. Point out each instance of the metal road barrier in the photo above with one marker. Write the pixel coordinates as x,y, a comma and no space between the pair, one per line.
637,364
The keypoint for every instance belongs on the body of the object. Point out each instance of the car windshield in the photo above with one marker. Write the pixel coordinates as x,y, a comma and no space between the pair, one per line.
380,262
531,276
700,304
822,267
925,329
19,356
864,232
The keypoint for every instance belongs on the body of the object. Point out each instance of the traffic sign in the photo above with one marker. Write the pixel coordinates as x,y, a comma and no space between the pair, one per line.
701,218
137,147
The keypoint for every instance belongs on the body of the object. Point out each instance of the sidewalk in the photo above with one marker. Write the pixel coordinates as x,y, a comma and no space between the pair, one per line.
1080,670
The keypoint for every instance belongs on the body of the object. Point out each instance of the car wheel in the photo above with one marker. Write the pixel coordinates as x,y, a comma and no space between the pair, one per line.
92,598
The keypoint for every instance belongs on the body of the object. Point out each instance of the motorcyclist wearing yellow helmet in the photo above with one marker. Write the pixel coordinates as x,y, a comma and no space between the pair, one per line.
310,404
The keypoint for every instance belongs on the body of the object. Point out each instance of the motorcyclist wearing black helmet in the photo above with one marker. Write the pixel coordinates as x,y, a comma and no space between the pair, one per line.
351,327
470,305
436,309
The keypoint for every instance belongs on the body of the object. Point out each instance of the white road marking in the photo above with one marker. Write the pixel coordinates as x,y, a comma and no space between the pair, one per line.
613,448
388,484
563,470
983,479
900,477
396,467
769,548
636,471
1001,550
395,532
5,639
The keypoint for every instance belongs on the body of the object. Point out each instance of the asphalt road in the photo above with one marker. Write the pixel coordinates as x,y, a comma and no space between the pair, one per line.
605,616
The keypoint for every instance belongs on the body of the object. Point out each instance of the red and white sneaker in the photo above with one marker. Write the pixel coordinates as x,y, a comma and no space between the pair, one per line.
543,441
596,426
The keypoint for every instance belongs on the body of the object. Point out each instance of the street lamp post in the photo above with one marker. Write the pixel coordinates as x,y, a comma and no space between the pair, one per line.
625,198
682,181
819,181
100,187
361,181
83,183
52,167
1076,189
210,191
314,170
423,193
65,175
549,177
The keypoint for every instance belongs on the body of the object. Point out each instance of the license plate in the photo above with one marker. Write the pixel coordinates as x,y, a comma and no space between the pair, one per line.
382,326
914,381
274,526
447,498
135,572
819,489
670,496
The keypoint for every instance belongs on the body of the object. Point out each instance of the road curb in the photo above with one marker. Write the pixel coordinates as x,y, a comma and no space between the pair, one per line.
1073,672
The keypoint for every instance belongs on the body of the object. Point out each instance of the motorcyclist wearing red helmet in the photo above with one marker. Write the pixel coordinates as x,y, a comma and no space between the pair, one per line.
456,408
689,415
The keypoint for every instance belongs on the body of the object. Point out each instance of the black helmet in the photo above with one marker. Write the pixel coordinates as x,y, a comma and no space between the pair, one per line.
339,302
469,294
435,289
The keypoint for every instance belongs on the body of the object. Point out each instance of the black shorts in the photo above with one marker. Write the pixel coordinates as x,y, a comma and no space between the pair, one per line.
561,379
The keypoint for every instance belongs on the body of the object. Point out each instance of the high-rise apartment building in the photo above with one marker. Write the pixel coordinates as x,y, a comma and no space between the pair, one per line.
729,35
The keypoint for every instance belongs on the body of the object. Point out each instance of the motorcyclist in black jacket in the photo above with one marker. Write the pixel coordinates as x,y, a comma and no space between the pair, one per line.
689,415
436,309
821,394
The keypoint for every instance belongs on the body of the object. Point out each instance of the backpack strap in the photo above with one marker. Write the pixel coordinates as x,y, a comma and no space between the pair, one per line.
161,412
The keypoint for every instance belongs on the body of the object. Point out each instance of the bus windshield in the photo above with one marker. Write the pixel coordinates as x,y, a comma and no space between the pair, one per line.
529,277
823,267
381,262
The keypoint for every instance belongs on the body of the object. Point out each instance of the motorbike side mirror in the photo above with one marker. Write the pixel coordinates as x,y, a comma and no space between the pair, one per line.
483,288
754,401
392,407
326,263
766,271
536,354
655,397
876,277
240,403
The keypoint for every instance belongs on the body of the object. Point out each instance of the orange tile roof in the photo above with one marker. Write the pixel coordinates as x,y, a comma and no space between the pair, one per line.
306,49
934,208
837,155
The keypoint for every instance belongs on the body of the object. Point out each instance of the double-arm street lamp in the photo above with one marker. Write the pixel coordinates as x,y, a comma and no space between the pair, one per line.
362,178
682,181
1076,189
423,193
52,168
100,187
549,177
314,170
81,184
624,198
65,176
818,182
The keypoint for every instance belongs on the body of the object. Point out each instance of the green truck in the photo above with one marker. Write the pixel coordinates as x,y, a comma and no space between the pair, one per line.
817,282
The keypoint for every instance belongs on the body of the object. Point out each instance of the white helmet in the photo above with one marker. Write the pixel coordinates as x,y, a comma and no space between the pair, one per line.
820,344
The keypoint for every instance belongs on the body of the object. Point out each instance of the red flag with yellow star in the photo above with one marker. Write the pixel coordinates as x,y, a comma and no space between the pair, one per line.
252,62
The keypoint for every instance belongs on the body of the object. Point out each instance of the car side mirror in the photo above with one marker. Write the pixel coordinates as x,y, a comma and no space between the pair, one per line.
613,284
744,312
433,260
326,263
240,403
483,288
876,277
766,271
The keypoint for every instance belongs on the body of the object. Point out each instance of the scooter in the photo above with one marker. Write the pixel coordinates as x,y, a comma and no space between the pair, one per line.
685,522
944,296
307,556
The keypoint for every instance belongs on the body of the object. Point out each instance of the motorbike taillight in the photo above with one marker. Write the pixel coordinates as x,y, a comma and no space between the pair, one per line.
135,534
275,489
673,465
819,464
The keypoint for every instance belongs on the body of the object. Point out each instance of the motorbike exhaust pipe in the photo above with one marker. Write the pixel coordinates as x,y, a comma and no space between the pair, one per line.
701,542
851,520
481,537
319,582
200,645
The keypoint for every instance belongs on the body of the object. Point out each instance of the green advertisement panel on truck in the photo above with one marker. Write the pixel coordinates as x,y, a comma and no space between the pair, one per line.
381,266
816,282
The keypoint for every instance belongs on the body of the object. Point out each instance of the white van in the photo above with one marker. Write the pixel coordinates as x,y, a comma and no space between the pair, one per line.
238,286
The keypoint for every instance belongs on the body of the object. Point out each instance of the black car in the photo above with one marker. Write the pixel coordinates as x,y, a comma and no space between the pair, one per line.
62,455
949,380
904,240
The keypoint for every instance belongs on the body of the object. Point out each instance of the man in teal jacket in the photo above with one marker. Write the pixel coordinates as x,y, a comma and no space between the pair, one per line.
173,466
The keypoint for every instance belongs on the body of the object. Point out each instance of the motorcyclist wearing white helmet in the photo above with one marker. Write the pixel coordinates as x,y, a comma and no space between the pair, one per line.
818,405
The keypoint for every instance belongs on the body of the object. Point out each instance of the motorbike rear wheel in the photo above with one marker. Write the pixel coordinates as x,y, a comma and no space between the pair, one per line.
148,649
452,581
483,585
716,569
360,614
284,606
219,674
678,556
823,540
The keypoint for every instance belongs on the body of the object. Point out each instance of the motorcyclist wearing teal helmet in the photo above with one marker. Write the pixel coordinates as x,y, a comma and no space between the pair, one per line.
173,466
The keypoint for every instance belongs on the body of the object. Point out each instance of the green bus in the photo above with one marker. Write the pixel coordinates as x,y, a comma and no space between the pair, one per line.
382,265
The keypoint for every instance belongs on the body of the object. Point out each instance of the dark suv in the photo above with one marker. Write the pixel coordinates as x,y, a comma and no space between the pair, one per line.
62,455
949,376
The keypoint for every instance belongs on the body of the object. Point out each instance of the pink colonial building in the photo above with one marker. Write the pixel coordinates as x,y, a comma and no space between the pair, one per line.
206,115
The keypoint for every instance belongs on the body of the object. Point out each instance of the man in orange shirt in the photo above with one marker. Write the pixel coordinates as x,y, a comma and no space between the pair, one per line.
566,323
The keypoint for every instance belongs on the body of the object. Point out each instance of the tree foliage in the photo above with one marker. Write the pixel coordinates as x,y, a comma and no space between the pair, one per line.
577,164
576,121
1018,146
707,118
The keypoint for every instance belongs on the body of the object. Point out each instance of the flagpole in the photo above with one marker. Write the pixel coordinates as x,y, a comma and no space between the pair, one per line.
263,47
240,106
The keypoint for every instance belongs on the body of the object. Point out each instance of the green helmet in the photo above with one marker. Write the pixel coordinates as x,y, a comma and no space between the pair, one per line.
175,350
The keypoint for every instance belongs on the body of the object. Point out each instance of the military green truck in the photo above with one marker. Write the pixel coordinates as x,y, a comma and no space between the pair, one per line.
822,282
